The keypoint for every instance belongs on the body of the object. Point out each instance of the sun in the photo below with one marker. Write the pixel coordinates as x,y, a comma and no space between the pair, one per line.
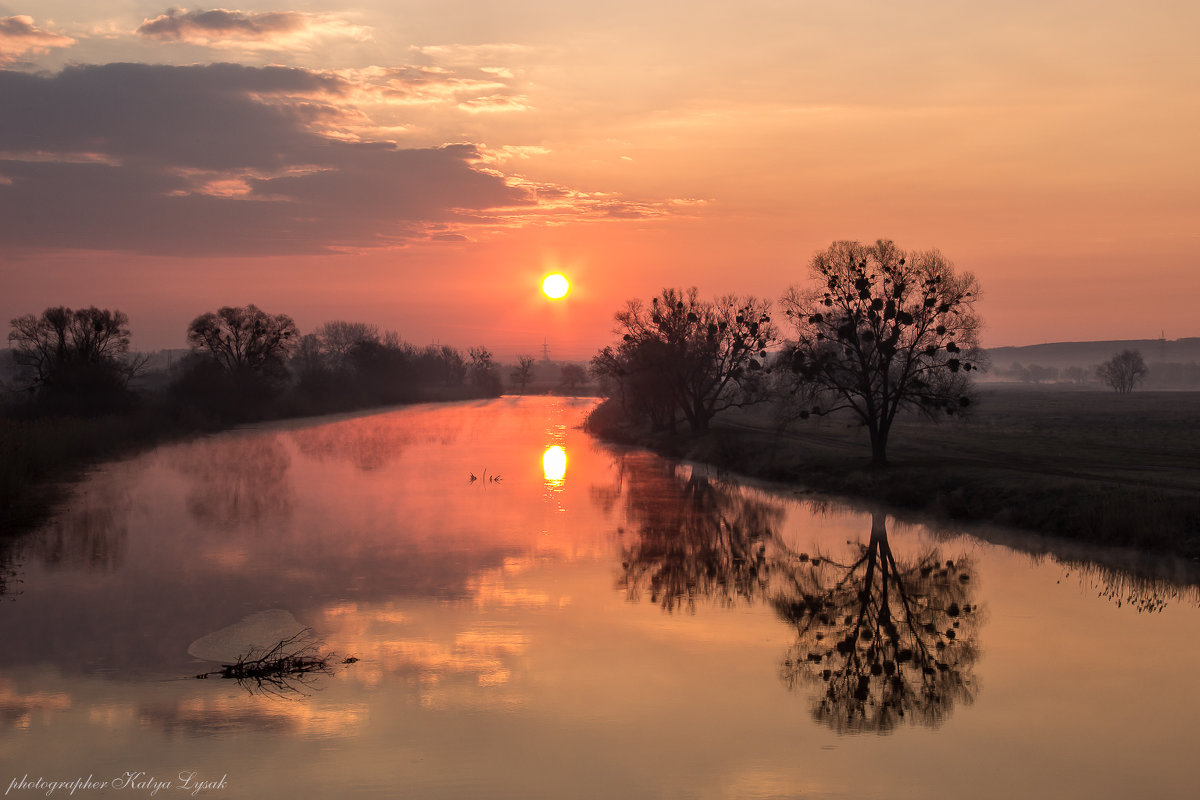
555,286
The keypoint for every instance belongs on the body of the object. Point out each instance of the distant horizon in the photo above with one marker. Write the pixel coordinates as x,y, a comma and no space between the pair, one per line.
502,353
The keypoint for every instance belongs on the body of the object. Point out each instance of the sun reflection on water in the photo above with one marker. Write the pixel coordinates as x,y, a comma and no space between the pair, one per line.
554,465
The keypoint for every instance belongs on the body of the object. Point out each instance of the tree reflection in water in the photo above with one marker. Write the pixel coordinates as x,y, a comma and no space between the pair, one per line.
885,640
695,539
238,479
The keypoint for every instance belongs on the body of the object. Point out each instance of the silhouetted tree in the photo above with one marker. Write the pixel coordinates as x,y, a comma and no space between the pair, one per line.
451,364
572,377
885,641
482,372
884,330
244,340
522,372
680,354
238,361
1124,371
75,360
339,337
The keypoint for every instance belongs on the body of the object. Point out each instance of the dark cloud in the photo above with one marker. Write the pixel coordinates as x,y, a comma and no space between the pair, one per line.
216,159
221,27
215,116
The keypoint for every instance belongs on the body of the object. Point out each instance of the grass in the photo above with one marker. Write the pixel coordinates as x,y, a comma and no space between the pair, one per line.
1093,466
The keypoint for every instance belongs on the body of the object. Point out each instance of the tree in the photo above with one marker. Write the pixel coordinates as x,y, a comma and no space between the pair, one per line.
572,376
680,354
75,360
884,330
522,372
244,340
1123,371
339,337
482,372
238,362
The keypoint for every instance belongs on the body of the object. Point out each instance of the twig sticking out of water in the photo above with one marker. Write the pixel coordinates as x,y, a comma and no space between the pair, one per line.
285,668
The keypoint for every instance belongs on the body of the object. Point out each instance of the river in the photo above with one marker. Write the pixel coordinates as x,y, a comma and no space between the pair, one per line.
503,607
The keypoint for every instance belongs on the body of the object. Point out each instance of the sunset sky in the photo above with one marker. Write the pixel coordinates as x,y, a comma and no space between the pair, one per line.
422,165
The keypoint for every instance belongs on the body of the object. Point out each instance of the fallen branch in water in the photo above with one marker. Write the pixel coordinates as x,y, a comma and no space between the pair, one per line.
293,662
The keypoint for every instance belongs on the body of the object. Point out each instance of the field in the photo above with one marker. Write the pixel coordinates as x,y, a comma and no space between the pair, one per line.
1090,465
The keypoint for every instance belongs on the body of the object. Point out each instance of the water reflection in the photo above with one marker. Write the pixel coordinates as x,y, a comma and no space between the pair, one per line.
1144,593
18,708
554,465
372,443
91,531
695,539
881,640
237,480
884,641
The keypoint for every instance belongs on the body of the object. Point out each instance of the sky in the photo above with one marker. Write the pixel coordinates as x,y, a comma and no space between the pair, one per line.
422,165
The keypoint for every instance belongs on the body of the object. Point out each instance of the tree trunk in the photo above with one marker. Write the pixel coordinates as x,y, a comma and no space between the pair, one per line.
879,439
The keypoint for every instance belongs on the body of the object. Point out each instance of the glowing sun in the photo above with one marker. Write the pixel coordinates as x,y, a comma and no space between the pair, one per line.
555,286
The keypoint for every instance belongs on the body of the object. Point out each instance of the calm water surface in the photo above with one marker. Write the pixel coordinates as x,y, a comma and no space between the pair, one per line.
575,622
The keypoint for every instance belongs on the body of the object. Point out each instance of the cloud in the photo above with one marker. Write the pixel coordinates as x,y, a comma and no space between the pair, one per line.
226,159
217,159
266,30
18,35
415,85
495,103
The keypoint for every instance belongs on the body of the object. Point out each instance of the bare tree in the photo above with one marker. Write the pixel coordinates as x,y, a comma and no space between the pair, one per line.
883,330
244,340
339,337
1123,371
523,372
680,354
482,371
64,352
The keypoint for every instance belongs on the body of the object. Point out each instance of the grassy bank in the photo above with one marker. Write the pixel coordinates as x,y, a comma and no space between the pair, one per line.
1092,466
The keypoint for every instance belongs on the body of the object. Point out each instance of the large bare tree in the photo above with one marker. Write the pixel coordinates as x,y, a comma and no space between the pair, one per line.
245,339
881,330
81,354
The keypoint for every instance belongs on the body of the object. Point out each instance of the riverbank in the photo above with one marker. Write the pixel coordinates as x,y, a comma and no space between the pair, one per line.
1120,470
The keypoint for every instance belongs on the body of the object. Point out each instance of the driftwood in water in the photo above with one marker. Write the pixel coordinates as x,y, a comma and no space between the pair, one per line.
290,664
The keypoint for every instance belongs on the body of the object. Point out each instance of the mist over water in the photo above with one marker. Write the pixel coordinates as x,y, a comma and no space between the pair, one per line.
537,615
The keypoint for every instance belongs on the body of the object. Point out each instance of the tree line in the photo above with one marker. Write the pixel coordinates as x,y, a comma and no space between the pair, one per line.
243,363
879,331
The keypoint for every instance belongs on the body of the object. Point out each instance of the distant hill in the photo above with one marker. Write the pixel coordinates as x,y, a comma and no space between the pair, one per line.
1066,354
1173,363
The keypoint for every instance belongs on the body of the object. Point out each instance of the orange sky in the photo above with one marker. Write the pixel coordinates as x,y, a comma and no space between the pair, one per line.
421,165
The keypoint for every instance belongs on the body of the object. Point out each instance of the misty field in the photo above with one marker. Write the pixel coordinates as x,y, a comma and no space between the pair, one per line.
1117,469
